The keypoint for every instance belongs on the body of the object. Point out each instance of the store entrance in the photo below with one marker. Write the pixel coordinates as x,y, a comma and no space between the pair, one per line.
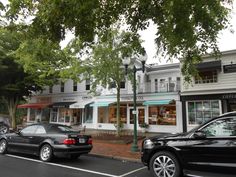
140,115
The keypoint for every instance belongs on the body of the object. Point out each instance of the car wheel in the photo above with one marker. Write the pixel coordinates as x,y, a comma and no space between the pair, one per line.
4,129
3,146
74,157
165,164
46,153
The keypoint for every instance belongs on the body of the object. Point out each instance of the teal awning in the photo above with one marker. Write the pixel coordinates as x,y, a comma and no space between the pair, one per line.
102,103
158,102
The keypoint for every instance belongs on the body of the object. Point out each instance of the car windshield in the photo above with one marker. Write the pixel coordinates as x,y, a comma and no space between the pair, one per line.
61,128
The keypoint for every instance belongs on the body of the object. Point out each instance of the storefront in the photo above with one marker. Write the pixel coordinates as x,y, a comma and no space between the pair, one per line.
198,109
162,114
36,112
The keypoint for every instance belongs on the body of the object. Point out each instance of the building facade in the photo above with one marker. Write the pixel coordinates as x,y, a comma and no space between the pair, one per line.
213,93
158,102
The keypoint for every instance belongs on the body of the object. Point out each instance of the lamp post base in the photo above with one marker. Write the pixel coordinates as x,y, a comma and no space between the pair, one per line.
134,148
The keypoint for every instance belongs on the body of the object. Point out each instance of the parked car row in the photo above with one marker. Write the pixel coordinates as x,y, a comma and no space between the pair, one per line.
47,141
210,148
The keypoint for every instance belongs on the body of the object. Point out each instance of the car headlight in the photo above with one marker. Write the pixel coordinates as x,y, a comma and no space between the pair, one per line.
148,144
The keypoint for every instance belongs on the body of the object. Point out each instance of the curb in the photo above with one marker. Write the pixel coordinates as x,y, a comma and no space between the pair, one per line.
116,157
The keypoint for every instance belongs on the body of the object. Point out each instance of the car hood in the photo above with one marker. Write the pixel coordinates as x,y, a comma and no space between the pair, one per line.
170,136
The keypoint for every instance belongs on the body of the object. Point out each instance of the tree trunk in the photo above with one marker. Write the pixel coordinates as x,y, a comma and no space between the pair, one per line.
11,104
118,121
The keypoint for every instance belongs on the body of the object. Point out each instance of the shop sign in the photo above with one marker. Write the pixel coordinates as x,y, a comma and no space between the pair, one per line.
86,97
229,96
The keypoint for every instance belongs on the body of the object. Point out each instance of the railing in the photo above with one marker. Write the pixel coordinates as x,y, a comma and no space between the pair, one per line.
149,87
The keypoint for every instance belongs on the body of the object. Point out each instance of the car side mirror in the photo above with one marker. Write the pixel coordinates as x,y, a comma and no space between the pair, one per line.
199,135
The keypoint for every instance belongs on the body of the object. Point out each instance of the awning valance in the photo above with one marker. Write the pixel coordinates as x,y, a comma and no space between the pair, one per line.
209,66
34,105
158,102
62,104
80,104
102,103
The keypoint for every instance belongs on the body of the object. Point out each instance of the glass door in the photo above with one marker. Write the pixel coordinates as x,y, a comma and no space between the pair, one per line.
140,116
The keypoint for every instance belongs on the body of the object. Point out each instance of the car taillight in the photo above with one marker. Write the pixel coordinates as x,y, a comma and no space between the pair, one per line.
90,141
69,141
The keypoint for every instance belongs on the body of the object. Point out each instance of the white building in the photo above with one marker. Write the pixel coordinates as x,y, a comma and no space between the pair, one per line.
158,102
213,94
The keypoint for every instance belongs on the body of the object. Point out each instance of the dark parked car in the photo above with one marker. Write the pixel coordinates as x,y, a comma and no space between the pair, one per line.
210,149
46,141
4,124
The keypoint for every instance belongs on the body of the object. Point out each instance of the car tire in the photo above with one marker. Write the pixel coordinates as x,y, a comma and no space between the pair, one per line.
4,128
46,153
164,163
3,146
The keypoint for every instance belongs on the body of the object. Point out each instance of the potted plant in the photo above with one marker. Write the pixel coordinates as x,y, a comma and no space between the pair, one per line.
144,126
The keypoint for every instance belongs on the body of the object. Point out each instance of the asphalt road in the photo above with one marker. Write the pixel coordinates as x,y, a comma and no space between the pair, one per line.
85,166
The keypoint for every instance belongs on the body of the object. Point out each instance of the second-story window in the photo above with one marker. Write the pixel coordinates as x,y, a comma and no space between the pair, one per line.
156,85
75,87
62,86
206,77
122,84
50,89
87,84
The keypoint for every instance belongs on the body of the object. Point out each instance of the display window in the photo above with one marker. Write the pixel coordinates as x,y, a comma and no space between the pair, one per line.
64,115
162,115
113,112
54,115
202,111
88,114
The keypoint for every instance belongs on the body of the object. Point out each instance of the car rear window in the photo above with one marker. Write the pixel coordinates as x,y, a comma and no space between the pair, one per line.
60,129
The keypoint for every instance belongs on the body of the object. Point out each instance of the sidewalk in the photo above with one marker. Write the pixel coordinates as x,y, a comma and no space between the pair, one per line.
116,151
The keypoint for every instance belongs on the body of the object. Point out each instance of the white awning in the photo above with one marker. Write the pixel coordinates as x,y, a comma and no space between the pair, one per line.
81,105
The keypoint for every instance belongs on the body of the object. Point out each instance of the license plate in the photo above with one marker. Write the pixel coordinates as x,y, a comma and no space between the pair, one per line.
81,140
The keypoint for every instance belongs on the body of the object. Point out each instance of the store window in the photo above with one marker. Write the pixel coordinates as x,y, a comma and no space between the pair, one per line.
64,115
206,77
102,114
45,115
54,115
112,114
32,115
162,115
88,114
202,111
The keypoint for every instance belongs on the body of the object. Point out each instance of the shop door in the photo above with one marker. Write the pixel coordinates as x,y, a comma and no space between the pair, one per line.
140,116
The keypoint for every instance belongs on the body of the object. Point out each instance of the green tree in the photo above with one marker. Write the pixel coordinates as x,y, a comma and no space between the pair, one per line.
185,29
15,83
104,65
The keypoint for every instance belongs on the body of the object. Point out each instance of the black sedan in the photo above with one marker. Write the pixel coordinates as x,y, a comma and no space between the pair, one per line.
46,141
210,148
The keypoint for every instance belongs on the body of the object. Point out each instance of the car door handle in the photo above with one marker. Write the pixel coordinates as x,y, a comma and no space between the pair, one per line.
30,137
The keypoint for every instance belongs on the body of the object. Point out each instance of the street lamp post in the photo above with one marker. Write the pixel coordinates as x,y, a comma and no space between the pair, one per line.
126,62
